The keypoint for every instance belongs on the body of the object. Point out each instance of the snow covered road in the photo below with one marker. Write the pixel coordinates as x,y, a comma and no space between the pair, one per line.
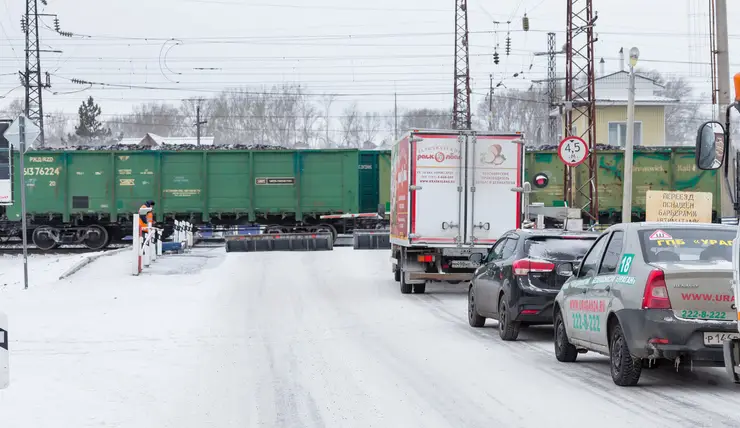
319,339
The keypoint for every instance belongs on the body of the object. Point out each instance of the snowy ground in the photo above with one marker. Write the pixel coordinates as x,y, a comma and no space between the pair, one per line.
319,339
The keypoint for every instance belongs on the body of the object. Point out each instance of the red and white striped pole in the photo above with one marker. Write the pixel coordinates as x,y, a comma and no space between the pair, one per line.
136,237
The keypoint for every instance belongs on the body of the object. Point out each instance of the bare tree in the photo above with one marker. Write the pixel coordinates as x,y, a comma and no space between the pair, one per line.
13,109
351,126
370,125
188,112
516,110
156,118
309,115
327,101
681,118
424,118
55,127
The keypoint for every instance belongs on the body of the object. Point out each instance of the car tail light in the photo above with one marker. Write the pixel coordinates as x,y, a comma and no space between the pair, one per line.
425,258
530,312
525,266
656,292
659,341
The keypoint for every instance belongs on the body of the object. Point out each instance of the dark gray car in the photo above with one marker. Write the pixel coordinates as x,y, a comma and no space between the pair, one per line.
650,291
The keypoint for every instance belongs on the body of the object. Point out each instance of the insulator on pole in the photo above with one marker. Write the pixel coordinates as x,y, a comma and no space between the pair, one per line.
525,23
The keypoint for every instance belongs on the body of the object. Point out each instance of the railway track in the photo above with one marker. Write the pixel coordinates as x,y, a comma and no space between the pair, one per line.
17,250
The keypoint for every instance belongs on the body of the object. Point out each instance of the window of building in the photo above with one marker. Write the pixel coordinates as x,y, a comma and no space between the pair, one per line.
618,134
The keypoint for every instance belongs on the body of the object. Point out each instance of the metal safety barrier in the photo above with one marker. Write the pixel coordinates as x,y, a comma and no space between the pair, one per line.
147,244
183,233
371,239
280,242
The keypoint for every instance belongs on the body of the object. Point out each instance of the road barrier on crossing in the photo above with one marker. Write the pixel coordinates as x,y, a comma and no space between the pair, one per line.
372,239
184,233
280,242
147,244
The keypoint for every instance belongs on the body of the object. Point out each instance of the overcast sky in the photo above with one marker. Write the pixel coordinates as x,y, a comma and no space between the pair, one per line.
362,51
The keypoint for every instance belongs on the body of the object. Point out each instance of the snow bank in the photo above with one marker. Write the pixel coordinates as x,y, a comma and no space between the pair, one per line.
101,348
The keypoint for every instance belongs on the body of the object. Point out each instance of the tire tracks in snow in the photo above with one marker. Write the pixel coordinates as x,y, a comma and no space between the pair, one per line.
598,381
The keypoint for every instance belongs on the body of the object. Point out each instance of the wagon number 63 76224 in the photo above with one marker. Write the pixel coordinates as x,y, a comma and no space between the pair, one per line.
41,171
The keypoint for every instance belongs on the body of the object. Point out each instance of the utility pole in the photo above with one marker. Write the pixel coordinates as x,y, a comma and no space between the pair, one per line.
461,105
629,144
32,77
552,87
198,123
580,102
723,88
490,102
395,116
24,226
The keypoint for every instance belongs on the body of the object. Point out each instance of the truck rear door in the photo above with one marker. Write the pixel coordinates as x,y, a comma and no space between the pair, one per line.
495,165
437,183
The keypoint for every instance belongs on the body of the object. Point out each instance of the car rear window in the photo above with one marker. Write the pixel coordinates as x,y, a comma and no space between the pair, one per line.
558,248
686,244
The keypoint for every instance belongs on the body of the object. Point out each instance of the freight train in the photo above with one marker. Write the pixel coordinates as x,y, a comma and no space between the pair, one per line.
89,197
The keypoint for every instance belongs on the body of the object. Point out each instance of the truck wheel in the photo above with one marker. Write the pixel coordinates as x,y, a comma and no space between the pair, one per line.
625,369
507,329
420,288
474,319
405,288
565,352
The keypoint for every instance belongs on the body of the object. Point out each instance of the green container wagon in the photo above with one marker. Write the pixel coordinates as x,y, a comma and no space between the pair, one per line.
76,192
374,175
670,168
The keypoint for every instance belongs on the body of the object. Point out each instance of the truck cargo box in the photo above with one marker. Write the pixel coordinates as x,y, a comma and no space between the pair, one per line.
455,189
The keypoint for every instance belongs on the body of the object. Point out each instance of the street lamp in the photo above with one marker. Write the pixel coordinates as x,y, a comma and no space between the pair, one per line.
629,144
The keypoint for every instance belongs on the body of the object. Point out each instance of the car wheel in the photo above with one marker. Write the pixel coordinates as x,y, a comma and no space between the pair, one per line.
565,352
507,329
420,288
474,319
625,369
405,288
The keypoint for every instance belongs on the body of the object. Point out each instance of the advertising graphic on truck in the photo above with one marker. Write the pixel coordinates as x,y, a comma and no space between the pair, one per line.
451,196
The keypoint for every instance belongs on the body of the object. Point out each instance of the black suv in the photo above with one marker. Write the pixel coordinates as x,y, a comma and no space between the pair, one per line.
519,278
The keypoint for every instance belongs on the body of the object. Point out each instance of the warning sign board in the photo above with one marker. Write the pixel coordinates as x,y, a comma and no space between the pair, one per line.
659,234
687,207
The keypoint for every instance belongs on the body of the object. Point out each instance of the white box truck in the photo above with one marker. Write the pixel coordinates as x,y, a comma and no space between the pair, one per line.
451,195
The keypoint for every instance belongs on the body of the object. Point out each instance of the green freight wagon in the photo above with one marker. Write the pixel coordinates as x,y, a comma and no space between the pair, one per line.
89,196
669,168
375,180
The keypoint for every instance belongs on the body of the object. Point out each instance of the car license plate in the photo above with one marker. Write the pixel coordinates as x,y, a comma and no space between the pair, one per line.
459,252
717,339
463,264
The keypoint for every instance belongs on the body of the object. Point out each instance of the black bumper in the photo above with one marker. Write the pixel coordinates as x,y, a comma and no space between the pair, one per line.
525,299
685,338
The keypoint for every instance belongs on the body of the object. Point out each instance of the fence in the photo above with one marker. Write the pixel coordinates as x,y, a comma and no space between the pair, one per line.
148,245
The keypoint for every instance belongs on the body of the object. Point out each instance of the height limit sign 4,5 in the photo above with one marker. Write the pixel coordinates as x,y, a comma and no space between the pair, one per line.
573,151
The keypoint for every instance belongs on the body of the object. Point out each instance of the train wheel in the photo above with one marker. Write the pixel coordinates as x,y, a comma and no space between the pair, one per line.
43,238
325,228
96,237
275,229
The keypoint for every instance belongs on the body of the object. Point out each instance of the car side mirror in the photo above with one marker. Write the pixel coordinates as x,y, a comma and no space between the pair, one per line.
476,257
568,269
710,146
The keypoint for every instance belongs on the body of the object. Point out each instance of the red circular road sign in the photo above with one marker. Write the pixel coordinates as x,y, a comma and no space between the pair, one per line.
573,151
